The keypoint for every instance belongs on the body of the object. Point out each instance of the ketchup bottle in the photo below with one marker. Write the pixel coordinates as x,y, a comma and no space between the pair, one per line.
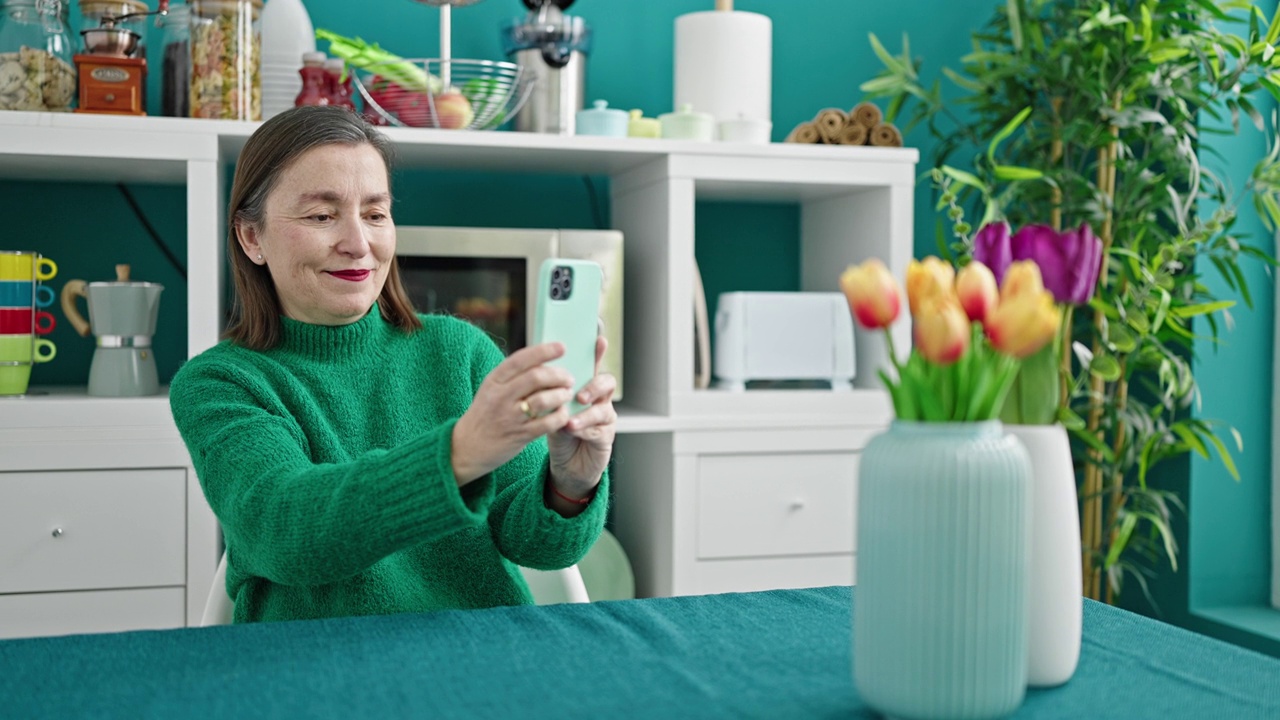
339,92
315,81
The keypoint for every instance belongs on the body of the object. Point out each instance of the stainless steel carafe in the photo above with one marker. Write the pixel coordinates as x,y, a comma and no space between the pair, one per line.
552,48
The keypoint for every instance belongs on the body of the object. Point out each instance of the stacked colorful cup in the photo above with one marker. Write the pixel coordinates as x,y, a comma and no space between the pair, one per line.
22,319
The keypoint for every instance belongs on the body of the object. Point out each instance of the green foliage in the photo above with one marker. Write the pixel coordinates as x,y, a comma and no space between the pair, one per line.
1056,97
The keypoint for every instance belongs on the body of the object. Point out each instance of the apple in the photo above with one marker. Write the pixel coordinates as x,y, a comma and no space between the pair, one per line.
453,110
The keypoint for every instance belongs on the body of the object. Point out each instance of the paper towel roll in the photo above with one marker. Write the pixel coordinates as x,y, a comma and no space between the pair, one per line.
724,64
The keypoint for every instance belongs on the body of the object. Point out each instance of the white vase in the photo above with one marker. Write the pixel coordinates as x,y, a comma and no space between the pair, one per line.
1057,601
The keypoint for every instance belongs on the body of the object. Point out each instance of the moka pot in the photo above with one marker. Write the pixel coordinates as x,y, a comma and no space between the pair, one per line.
122,318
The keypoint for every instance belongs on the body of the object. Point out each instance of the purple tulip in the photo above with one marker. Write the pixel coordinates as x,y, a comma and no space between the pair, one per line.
991,248
1069,261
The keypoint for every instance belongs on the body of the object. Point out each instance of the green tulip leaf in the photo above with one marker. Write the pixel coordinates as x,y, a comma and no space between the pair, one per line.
1105,367
1070,420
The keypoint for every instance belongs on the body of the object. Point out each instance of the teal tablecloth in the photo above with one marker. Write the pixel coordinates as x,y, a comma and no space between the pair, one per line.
782,654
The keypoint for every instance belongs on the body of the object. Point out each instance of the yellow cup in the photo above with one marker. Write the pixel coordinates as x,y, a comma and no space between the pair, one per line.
24,265
25,349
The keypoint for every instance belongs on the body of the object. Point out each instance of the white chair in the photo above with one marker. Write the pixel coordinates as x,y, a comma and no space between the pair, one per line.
548,588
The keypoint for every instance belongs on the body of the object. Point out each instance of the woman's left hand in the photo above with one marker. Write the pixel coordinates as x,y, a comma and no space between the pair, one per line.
581,449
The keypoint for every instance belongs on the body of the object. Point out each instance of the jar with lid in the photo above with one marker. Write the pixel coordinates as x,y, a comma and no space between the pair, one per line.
175,78
226,59
36,70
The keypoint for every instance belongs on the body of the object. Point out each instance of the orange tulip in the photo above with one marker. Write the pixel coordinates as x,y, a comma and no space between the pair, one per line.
976,289
1023,323
932,278
1022,278
873,294
941,330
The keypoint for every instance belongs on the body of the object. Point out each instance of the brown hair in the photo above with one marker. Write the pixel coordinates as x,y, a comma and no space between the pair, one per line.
255,315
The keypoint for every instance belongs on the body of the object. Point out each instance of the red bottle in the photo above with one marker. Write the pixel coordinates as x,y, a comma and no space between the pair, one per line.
339,91
315,81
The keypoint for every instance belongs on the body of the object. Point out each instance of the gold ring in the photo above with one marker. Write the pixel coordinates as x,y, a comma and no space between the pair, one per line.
524,408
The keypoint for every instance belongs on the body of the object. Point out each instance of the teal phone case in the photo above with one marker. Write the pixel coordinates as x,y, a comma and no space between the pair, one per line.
568,311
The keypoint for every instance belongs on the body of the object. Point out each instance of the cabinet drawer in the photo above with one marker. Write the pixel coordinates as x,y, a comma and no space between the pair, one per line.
91,612
92,530
766,505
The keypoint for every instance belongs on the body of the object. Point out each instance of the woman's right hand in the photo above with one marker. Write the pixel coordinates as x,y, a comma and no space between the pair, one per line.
520,401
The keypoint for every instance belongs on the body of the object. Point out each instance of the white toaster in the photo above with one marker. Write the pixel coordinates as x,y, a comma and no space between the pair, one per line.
783,336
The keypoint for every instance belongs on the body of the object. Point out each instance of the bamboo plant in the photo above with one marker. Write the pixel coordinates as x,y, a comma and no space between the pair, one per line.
1089,111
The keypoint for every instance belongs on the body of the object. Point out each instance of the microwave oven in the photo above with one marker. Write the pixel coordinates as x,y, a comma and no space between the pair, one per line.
489,276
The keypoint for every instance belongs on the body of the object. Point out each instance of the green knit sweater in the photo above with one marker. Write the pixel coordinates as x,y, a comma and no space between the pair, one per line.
327,461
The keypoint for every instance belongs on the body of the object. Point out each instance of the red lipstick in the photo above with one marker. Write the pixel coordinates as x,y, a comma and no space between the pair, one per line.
350,275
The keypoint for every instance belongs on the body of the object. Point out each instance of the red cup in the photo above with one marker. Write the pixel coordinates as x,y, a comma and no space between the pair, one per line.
16,321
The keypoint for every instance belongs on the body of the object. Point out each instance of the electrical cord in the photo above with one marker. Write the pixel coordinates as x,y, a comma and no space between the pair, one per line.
597,212
155,236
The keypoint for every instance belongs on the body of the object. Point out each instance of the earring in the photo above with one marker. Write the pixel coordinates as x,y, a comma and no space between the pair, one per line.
259,257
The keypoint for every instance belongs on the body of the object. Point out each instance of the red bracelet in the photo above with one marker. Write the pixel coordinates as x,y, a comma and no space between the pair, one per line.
566,498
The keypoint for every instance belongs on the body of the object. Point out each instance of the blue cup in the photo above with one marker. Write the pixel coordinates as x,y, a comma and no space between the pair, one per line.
17,293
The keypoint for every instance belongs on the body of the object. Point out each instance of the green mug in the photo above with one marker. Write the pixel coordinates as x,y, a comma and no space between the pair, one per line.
14,378
26,349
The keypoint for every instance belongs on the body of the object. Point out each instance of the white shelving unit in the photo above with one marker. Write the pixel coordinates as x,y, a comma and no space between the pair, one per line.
676,444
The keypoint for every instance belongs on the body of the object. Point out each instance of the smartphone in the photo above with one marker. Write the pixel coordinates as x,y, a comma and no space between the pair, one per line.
568,311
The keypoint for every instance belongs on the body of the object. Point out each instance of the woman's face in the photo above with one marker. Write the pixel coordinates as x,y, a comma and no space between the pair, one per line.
327,237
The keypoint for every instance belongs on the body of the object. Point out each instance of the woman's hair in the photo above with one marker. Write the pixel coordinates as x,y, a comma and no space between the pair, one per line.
255,316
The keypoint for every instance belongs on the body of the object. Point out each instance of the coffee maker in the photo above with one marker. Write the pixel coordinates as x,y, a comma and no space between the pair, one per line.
122,316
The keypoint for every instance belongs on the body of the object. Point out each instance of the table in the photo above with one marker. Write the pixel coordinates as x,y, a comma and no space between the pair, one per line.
777,654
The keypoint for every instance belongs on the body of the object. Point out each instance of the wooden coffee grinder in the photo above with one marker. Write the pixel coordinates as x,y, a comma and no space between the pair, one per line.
112,79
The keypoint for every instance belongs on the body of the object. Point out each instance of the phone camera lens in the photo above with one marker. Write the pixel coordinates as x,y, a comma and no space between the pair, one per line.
556,292
567,284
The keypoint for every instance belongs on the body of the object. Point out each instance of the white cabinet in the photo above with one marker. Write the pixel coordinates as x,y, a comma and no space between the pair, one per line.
715,491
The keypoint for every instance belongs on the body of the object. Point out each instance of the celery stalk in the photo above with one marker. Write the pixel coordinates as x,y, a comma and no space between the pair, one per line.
372,58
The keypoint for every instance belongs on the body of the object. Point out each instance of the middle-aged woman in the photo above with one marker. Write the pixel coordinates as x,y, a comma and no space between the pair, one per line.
362,458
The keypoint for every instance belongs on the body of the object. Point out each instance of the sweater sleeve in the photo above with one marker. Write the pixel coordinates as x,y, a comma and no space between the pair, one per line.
295,522
526,531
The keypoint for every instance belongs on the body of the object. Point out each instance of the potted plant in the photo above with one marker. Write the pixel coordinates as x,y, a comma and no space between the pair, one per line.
1086,112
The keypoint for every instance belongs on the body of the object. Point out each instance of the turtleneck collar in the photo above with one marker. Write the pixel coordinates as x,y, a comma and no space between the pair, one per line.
333,342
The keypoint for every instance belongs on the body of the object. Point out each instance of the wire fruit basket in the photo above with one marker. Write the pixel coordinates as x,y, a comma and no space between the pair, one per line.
482,94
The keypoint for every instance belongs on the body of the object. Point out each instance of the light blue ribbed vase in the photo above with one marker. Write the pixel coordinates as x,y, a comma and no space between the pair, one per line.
941,600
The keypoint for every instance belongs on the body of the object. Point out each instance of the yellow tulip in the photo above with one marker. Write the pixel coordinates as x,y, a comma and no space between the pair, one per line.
873,294
931,278
1023,323
976,289
941,330
1022,278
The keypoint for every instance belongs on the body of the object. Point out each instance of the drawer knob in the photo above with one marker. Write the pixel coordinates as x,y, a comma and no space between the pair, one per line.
797,504
110,97
57,532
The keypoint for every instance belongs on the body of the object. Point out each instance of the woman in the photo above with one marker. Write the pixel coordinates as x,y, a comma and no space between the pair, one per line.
363,459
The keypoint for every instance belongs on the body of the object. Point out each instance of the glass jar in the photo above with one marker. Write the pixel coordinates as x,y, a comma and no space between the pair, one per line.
36,70
175,80
226,59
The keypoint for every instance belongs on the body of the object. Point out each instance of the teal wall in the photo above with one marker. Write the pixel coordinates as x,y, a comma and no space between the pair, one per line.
820,57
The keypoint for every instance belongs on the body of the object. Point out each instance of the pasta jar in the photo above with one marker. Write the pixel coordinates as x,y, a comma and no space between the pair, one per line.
226,59
36,72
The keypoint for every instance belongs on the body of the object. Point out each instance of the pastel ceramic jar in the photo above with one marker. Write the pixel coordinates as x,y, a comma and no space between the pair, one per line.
602,120
685,124
744,130
643,127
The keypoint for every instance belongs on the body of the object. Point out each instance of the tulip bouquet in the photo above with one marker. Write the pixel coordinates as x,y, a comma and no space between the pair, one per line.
969,336
1069,264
